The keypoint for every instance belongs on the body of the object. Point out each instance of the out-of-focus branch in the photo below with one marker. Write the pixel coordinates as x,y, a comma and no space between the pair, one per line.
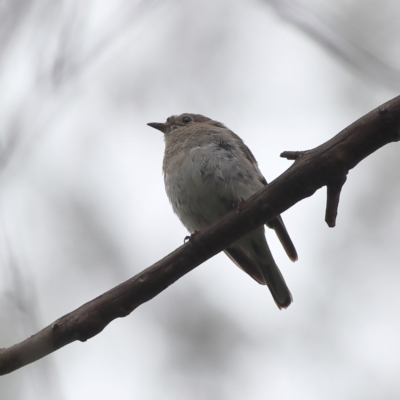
326,165
322,31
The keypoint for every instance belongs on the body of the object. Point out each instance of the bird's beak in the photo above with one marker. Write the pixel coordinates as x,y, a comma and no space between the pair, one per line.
158,125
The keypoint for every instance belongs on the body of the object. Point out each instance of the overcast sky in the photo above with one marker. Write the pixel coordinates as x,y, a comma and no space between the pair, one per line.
83,206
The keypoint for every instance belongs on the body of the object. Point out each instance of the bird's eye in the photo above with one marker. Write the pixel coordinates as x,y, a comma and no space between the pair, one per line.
186,120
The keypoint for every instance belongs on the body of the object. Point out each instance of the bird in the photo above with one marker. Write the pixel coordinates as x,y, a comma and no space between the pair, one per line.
208,170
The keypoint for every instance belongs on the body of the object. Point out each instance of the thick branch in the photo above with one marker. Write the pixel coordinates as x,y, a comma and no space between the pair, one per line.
326,165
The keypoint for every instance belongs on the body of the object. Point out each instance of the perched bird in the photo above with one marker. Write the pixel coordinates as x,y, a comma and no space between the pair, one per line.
207,170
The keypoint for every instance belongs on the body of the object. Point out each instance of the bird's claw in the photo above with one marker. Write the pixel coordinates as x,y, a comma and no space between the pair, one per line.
190,238
238,205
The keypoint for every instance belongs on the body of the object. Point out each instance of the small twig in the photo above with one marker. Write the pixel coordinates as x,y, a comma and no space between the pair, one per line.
292,155
332,200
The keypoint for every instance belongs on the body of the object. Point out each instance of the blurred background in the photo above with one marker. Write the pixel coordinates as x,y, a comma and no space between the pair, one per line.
83,207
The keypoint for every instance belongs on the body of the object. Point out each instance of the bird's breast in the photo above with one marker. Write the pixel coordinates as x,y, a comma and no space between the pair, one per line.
203,182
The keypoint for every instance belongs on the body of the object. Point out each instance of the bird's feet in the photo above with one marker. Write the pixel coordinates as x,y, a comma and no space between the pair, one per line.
238,205
191,238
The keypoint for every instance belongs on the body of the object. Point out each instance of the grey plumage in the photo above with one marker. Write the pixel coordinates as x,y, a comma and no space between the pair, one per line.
207,170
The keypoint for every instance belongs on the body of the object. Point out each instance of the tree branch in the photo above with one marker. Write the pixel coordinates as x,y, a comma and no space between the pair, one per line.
326,165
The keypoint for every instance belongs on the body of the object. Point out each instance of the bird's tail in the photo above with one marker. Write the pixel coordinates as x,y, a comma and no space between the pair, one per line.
251,253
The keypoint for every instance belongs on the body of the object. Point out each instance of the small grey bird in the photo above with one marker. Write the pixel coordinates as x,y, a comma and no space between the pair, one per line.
207,170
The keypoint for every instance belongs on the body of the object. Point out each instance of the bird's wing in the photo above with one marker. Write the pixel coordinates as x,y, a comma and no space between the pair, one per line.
279,227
